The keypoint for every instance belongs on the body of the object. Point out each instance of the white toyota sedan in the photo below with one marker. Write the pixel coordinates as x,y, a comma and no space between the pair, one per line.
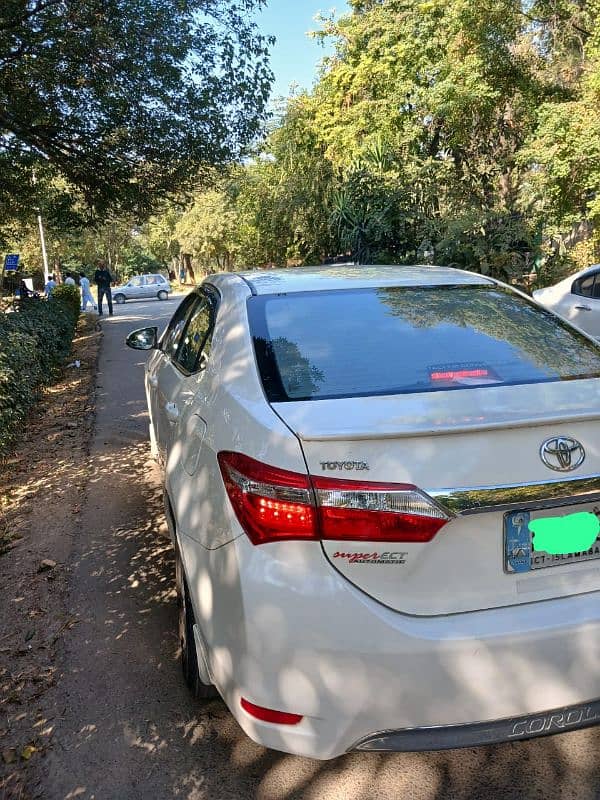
576,298
383,487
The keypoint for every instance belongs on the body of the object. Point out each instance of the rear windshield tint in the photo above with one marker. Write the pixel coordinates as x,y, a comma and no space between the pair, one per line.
319,345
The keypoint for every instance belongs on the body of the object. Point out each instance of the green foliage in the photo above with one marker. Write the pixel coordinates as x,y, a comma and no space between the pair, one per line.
33,345
207,230
69,297
123,100
446,131
138,263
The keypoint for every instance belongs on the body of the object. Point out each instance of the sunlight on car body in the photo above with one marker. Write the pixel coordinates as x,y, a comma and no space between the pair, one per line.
291,445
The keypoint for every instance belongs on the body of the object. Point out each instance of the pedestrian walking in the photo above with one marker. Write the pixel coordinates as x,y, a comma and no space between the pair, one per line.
103,280
182,275
49,287
70,280
86,292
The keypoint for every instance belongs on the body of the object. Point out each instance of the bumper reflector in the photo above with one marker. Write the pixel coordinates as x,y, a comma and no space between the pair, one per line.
269,715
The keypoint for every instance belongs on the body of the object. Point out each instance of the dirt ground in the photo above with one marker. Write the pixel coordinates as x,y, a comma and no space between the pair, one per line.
43,480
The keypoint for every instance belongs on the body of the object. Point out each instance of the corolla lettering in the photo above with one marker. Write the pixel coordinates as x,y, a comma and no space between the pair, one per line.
571,719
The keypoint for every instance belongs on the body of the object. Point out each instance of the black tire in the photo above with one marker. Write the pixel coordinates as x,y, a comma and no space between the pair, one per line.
189,657
119,299
162,295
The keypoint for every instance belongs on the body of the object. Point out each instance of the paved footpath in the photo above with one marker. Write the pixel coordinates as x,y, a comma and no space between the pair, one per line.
126,727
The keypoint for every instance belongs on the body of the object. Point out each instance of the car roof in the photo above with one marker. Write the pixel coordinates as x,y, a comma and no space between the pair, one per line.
354,276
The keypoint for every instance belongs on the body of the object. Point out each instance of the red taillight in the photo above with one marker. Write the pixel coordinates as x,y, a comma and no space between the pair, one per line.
269,715
274,504
271,504
362,511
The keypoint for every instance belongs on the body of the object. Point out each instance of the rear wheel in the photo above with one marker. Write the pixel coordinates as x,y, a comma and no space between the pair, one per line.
119,298
162,295
189,656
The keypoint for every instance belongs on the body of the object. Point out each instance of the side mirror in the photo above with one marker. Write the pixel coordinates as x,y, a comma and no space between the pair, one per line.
143,339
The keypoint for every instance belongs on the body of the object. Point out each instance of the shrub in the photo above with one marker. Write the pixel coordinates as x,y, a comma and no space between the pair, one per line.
33,345
68,295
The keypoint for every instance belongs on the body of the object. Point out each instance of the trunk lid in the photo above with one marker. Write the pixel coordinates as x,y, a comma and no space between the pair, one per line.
459,447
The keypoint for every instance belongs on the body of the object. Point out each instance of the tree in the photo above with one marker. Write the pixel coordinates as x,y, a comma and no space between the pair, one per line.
440,130
124,98
161,236
207,231
561,157
282,194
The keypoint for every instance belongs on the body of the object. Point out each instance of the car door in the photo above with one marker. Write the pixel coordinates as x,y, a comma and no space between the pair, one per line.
150,286
184,474
160,375
582,304
133,289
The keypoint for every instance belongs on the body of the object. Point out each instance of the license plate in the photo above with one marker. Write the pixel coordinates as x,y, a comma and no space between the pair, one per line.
521,553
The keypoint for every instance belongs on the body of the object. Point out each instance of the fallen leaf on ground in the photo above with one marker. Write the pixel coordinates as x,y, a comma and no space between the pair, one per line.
27,752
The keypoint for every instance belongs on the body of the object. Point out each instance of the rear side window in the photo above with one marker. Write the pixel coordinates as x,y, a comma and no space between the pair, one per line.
588,286
195,338
319,345
172,336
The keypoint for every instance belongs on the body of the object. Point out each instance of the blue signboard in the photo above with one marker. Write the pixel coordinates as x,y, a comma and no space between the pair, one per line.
11,262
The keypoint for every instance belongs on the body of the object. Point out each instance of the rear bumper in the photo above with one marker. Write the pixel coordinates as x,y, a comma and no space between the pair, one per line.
288,633
559,720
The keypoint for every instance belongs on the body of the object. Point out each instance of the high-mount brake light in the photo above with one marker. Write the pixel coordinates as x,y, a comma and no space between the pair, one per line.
459,374
274,504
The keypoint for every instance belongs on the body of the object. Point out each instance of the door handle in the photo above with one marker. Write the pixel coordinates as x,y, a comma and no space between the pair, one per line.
153,381
172,412
583,308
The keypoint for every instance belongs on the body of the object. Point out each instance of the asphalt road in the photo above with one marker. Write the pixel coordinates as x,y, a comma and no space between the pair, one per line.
126,727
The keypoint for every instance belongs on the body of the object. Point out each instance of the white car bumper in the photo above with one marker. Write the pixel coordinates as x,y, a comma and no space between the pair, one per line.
309,643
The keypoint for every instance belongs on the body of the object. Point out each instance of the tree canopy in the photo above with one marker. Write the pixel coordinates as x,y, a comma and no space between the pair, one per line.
438,130
124,100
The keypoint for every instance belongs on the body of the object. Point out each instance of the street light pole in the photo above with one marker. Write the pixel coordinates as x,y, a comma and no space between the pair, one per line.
43,243
42,236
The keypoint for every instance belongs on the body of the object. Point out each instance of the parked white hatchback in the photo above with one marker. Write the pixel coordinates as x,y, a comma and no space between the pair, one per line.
382,484
576,298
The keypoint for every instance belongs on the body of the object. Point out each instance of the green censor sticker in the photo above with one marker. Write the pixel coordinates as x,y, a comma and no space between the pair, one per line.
563,535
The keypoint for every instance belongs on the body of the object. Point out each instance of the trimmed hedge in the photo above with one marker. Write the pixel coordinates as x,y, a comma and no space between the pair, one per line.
33,345
69,295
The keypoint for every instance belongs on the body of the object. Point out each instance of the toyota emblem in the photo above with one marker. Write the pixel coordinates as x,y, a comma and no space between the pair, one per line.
562,454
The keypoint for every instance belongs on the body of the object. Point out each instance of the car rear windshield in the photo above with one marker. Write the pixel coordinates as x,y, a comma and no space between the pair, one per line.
352,343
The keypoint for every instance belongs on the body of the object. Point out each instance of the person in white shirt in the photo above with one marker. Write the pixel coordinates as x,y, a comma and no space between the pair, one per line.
69,280
86,294
49,286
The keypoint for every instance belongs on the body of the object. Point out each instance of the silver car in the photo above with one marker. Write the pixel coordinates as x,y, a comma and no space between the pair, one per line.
143,287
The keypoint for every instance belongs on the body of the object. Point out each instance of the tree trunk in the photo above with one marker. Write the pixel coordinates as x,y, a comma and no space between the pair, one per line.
187,262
